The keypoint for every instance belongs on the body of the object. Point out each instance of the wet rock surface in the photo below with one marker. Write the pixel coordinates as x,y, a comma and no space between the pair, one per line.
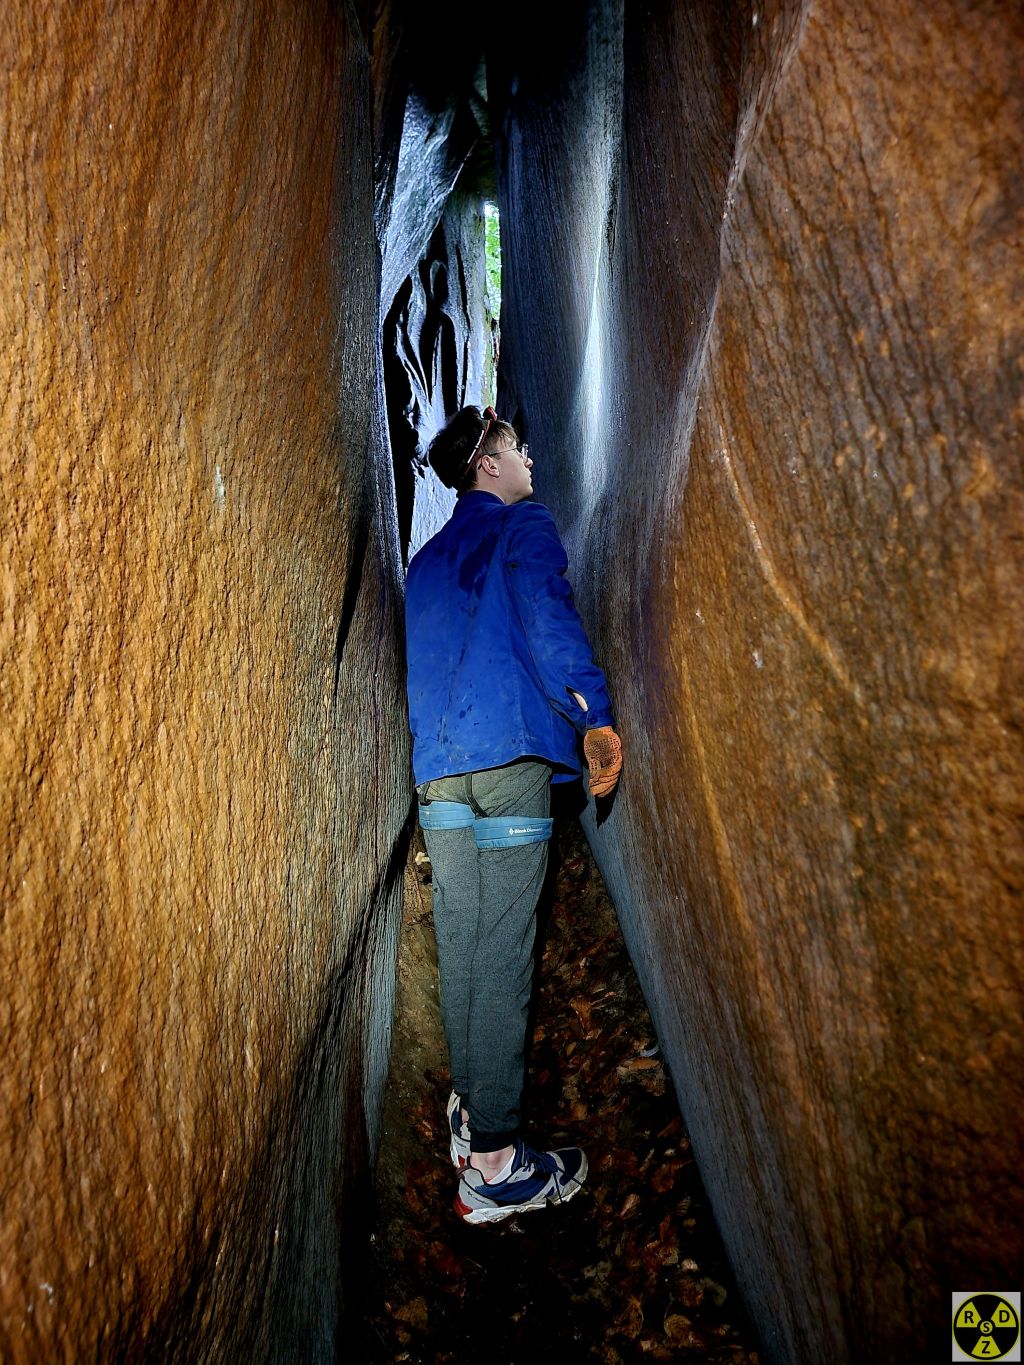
434,360
437,350
632,1269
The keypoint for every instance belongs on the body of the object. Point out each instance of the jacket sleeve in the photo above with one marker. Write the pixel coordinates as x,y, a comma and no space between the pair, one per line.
535,567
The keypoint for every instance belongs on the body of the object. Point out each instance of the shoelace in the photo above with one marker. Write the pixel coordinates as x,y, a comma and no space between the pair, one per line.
543,1161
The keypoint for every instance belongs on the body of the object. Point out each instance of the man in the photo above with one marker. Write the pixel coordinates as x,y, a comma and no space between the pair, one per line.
501,682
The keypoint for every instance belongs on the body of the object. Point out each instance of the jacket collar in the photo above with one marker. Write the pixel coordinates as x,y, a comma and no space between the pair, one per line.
473,500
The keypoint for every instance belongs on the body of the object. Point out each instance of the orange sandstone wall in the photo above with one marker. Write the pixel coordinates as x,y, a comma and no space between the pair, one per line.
204,773
764,330
849,658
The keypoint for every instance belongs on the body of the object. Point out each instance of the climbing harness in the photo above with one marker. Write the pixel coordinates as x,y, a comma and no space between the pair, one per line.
489,831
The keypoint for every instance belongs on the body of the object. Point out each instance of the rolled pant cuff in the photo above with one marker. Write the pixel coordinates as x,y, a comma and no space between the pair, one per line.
491,1142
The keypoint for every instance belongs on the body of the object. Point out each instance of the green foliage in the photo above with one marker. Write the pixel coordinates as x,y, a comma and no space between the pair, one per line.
492,297
492,249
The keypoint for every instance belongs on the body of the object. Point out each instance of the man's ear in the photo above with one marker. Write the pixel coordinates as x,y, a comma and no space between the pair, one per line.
489,465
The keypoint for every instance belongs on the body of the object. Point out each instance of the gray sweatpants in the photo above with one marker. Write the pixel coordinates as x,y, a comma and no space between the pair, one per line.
485,903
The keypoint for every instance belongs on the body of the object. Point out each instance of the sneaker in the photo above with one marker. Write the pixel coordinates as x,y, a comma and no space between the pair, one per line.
537,1178
459,1133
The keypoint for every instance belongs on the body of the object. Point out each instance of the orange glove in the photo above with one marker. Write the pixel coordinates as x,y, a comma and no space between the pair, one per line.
602,749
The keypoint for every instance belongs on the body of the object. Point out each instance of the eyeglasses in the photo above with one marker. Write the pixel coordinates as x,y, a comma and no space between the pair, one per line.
522,451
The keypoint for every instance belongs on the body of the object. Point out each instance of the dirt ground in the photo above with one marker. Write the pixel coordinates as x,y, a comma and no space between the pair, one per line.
632,1269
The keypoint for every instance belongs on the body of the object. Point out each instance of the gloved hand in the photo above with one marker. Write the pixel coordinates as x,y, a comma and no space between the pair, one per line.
602,749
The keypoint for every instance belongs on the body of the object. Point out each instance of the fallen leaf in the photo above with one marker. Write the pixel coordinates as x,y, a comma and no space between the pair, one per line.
691,1294
631,1319
581,1008
665,1177
640,1064
414,1313
715,1292
676,1327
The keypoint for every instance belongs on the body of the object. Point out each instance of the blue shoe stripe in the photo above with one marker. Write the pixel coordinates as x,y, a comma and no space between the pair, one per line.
515,1190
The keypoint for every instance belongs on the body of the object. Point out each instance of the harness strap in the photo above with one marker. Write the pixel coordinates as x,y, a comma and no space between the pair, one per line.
508,831
446,815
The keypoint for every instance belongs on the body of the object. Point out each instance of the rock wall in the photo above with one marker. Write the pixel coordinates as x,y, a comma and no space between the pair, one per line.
761,330
762,326
434,359
203,802
431,227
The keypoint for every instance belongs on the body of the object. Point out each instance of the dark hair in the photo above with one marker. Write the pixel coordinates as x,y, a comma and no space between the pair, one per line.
452,449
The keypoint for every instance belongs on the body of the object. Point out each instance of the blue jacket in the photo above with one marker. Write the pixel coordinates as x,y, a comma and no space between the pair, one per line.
495,646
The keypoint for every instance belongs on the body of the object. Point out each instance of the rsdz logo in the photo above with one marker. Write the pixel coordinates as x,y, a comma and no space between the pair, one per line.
986,1326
